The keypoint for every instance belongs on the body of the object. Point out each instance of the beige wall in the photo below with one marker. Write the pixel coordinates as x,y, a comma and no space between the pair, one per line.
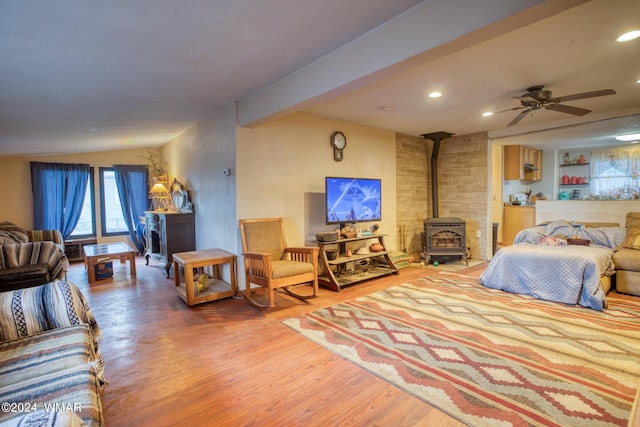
278,169
496,188
15,173
198,158
282,166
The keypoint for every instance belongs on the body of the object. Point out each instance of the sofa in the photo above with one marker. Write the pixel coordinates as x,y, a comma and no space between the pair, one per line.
30,257
627,258
51,368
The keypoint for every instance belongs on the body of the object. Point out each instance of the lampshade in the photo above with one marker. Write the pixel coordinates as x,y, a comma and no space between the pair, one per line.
158,188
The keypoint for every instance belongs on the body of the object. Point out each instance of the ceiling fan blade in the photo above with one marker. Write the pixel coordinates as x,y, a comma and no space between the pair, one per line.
509,109
519,117
567,109
584,95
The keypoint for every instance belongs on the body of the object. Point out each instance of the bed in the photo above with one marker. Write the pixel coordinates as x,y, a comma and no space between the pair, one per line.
542,265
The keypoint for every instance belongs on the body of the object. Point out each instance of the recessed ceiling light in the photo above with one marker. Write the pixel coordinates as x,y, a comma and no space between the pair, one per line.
628,137
435,94
385,108
487,114
630,35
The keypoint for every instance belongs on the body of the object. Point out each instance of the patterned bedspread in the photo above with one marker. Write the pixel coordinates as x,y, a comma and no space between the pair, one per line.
567,274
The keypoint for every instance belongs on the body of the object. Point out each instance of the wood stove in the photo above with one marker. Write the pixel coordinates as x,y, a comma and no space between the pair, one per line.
445,239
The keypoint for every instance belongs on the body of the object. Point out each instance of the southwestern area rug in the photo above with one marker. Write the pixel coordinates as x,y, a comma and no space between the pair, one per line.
487,357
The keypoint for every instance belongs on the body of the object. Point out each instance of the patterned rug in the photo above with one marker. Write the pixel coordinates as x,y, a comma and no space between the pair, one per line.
487,357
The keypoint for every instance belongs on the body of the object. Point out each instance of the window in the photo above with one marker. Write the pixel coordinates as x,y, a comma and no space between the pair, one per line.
86,226
615,173
113,222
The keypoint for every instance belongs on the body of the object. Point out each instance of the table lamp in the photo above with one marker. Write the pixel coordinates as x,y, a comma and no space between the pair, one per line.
159,195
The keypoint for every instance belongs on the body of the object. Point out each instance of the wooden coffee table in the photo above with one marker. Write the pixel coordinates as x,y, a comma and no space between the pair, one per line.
108,251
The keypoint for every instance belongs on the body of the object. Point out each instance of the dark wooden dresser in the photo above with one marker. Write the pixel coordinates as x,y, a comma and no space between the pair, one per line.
168,233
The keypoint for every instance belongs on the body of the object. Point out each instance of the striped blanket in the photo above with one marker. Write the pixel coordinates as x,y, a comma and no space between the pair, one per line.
49,375
31,253
11,233
30,311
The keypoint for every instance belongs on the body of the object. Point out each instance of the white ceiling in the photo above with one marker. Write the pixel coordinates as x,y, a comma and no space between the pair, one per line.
93,76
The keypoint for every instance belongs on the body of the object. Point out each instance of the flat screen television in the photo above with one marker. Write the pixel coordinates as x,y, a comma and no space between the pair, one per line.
350,200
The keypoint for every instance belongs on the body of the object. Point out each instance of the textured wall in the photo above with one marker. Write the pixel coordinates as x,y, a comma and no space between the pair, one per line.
463,188
198,158
464,183
413,184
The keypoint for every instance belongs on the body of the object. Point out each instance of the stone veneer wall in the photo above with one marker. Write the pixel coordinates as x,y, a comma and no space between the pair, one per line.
463,180
464,184
413,191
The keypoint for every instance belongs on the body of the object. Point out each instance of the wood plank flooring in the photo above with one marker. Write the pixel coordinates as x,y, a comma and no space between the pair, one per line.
227,363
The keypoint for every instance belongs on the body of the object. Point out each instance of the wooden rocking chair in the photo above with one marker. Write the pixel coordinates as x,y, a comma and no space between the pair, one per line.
269,263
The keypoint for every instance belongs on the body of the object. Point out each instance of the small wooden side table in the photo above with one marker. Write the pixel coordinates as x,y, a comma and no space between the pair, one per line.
207,261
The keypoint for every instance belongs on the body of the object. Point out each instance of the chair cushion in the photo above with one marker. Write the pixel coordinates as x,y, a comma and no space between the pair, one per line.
632,220
265,237
627,259
628,282
632,241
290,268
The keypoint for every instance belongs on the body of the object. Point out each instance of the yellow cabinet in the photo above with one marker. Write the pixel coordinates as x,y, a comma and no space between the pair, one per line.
522,163
516,218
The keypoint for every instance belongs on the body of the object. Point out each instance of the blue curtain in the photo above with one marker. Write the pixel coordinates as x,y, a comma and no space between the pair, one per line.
132,190
58,194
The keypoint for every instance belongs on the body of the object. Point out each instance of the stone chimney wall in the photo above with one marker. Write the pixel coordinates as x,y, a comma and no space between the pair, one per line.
463,189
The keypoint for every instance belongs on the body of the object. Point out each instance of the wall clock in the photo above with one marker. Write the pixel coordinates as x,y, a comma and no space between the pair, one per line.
338,142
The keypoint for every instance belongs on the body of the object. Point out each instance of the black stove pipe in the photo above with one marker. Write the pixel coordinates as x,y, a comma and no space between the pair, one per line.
437,138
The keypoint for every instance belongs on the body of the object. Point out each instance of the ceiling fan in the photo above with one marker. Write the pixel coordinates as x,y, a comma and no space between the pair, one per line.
538,97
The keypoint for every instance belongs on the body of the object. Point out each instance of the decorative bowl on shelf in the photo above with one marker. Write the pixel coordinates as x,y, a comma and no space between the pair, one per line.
332,255
327,236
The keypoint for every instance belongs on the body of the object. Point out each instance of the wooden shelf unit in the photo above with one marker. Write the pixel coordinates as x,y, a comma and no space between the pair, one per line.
337,273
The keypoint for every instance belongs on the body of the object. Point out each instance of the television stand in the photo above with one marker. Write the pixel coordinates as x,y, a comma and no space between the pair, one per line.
346,270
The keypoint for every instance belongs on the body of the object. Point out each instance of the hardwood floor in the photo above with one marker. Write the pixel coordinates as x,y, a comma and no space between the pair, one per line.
227,363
